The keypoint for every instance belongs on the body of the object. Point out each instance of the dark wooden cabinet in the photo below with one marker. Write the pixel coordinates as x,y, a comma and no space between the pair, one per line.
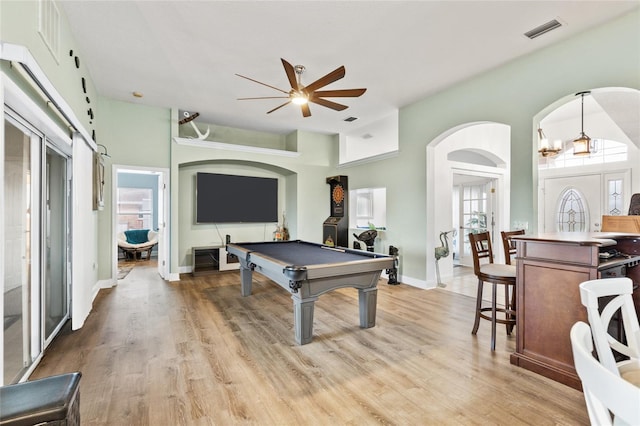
550,269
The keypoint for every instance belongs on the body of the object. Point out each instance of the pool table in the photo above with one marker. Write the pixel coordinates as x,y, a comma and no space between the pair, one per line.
308,270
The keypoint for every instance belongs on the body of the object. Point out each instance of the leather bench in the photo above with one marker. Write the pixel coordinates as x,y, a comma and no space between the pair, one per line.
51,401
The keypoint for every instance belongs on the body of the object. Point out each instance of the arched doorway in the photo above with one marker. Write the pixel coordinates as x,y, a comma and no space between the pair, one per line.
478,152
601,183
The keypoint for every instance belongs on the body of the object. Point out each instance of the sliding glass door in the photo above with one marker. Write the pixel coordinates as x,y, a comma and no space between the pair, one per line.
20,234
35,285
55,302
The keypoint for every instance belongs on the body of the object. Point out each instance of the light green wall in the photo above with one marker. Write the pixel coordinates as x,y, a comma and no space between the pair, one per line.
136,136
232,135
512,94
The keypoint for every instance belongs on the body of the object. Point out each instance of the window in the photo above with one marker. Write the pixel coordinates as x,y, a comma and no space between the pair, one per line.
607,151
474,208
473,215
614,197
135,208
572,215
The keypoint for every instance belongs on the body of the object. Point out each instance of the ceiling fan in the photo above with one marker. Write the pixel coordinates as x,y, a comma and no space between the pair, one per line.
302,95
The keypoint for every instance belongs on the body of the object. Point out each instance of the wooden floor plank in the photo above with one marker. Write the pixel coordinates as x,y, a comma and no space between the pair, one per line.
195,352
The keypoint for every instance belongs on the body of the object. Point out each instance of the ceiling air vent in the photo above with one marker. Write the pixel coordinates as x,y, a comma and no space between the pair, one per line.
544,28
350,119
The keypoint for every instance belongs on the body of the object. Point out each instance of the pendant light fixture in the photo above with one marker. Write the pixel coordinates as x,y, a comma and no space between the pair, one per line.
547,150
582,145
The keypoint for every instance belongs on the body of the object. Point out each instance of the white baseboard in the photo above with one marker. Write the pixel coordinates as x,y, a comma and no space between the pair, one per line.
108,283
415,282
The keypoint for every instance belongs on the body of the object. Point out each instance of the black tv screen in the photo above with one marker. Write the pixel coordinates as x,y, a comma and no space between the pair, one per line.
231,198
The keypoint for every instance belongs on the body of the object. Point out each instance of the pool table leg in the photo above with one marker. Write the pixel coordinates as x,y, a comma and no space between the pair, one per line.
303,318
246,275
367,299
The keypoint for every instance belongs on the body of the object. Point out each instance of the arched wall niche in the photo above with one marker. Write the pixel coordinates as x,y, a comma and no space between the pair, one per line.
202,235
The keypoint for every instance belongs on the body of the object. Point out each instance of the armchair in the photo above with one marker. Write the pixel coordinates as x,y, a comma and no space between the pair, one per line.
134,242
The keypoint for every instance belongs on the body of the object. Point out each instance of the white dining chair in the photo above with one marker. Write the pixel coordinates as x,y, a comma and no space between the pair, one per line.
610,399
620,308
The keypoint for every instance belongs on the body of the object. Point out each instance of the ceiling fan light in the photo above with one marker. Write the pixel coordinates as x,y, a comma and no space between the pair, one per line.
582,145
299,99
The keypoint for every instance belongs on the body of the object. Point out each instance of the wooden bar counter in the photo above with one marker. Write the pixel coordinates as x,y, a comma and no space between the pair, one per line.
550,268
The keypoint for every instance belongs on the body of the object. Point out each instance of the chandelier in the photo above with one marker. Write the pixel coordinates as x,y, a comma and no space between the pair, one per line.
547,150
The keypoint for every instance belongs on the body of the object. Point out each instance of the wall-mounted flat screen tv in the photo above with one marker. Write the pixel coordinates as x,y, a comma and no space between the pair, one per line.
234,199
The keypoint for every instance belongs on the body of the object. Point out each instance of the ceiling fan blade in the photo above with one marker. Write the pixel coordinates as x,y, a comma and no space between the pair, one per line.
278,107
328,104
334,75
263,97
306,112
291,74
264,84
346,93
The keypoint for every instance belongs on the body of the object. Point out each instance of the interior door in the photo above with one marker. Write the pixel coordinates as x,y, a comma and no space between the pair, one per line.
588,188
476,213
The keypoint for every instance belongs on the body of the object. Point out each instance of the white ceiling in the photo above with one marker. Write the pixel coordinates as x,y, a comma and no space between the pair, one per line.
185,54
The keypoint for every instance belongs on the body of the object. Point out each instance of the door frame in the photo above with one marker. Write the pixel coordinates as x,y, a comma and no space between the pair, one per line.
163,212
488,139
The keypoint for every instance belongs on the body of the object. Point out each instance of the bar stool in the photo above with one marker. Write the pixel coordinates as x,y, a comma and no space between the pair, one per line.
509,251
496,274
508,245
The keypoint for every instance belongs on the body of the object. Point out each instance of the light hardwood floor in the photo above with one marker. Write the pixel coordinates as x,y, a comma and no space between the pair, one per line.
195,352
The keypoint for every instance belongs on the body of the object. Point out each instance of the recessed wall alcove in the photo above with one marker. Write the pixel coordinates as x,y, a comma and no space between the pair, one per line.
194,234
301,167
